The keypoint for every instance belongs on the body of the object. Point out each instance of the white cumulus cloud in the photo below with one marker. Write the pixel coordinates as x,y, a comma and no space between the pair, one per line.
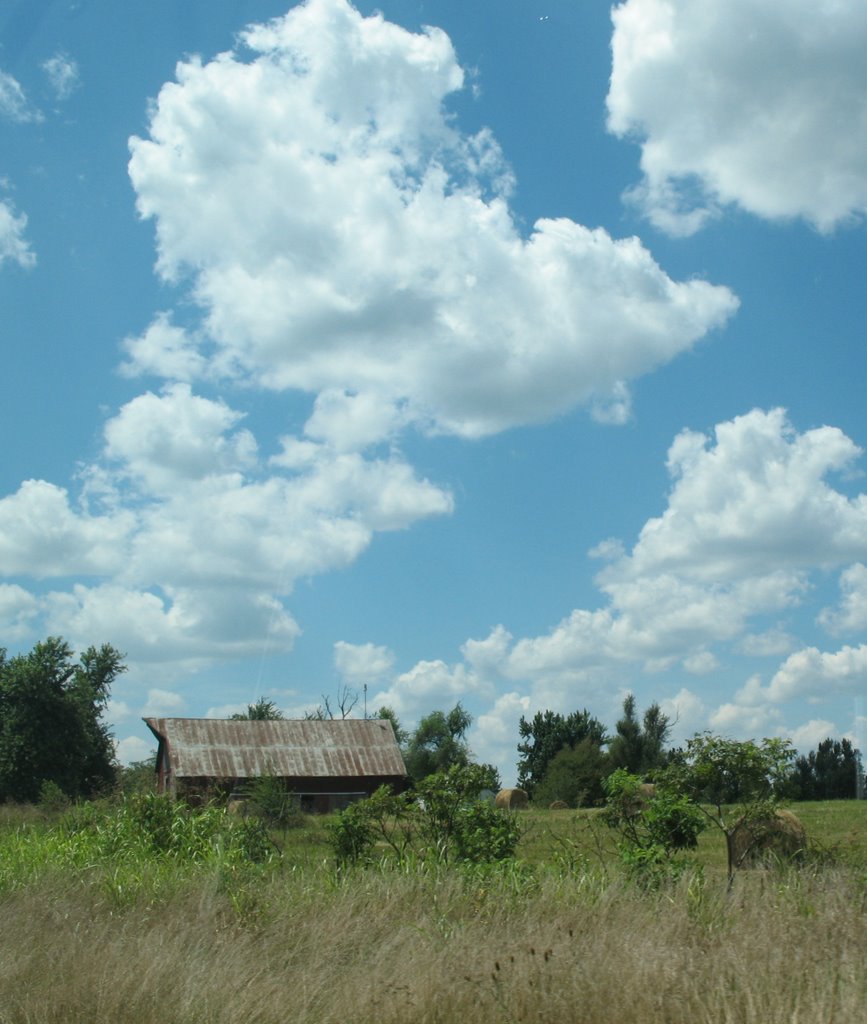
360,664
162,703
165,350
809,735
192,626
42,534
18,609
814,673
190,541
344,238
850,616
134,748
752,500
748,102
431,684
751,517
174,439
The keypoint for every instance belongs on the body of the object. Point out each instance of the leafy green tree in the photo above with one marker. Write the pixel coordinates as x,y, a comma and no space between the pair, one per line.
263,710
639,746
438,742
732,782
575,775
400,734
831,772
51,727
546,735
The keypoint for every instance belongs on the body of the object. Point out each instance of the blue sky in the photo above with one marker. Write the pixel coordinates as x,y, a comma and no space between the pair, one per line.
509,352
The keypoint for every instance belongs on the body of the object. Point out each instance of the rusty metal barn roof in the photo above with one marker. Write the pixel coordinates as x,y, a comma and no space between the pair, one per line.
224,749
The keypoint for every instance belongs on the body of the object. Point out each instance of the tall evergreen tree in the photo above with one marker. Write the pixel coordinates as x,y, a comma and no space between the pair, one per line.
639,746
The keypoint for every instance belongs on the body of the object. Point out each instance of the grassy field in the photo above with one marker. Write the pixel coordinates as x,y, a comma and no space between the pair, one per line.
837,827
559,936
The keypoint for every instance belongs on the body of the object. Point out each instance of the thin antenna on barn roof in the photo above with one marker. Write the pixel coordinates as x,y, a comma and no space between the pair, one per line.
365,701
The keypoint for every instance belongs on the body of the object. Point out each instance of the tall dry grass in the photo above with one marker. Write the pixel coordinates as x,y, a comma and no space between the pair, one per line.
246,947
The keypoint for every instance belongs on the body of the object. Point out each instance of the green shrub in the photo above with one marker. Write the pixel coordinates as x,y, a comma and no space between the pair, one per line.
252,842
352,835
654,828
443,820
482,833
52,798
271,800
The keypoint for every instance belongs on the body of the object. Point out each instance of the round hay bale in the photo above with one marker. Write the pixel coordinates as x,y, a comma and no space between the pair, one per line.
237,805
644,794
512,800
558,805
766,840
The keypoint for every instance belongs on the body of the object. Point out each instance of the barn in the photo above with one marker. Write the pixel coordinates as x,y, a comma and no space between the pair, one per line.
327,764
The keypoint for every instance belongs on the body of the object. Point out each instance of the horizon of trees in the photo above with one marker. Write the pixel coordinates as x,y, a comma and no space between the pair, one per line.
52,734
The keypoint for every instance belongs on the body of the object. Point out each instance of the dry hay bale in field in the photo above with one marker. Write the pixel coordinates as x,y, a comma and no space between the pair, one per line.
643,795
512,800
558,805
765,840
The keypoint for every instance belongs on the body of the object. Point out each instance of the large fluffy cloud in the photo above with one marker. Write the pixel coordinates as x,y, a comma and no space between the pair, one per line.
753,516
748,102
360,664
43,534
17,610
752,500
184,541
811,672
341,236
750,514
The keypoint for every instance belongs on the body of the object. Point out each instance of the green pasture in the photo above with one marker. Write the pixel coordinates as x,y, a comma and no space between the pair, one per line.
836,830
560,841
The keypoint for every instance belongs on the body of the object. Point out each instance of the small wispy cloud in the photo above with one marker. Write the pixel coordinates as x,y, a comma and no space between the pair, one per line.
14,247
62,74
14,104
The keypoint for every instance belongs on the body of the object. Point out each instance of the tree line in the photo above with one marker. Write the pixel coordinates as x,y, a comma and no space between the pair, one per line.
53,734
569,758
